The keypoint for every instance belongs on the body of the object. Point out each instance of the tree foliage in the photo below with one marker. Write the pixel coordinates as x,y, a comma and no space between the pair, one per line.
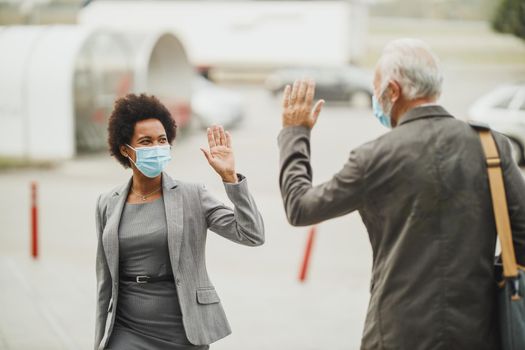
510,17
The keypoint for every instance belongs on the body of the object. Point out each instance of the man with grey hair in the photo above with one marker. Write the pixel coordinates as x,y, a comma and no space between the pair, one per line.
423,194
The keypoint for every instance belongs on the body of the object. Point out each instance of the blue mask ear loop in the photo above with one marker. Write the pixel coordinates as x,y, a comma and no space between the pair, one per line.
130,157
382,97
132,161
379,113
389,114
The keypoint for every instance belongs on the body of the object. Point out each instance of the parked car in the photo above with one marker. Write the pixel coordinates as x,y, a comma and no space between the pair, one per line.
214,105
348,84
504,110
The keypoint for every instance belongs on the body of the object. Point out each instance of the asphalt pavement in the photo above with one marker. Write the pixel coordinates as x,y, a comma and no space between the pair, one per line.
49,303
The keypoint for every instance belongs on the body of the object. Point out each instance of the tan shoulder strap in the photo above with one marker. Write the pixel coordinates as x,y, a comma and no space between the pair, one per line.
499,203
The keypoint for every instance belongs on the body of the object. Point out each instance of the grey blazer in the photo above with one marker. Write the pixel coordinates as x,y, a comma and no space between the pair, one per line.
190,211
422,192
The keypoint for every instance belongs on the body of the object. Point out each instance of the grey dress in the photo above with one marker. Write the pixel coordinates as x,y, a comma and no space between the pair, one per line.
148,315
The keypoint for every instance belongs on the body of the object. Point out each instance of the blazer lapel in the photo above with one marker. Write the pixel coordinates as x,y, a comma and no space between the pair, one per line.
110,233
174,218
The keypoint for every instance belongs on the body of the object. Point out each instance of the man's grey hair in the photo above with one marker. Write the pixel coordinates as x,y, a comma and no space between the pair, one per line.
413,65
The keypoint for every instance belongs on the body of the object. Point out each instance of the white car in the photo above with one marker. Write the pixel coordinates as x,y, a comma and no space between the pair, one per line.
214,105
504,110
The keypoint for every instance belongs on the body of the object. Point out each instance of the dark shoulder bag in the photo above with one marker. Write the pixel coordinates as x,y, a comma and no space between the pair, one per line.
509,276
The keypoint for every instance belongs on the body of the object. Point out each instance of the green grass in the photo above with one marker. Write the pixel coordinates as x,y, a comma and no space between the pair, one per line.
9,163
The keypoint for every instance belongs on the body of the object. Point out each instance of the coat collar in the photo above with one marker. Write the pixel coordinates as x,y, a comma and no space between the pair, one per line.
168,183
429,111
174,217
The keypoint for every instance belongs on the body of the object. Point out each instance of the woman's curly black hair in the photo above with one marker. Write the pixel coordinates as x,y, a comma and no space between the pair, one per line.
130,109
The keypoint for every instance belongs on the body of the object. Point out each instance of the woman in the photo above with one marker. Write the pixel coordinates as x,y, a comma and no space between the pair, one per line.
153,288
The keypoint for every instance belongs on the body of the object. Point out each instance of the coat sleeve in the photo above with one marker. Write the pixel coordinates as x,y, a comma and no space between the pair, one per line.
306,204
243,224
515,192
103,280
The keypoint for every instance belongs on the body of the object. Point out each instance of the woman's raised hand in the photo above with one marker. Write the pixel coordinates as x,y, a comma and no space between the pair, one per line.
220,153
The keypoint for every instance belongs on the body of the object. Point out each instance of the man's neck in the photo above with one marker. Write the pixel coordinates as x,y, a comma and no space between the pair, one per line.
409,105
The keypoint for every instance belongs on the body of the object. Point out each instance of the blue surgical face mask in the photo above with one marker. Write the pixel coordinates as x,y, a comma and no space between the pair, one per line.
383,117
151,160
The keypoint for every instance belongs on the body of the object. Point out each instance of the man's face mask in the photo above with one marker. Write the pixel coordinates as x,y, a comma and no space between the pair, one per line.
383,115
151,160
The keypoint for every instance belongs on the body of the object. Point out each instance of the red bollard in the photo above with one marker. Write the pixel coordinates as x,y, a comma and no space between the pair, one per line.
34,221
307,254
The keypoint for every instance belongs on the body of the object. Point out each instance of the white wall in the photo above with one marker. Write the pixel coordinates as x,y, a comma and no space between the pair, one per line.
16,48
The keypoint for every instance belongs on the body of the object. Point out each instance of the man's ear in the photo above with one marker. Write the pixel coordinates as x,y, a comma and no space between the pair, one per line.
395,91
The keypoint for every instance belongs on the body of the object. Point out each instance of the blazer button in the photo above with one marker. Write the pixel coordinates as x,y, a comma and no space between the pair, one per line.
177,281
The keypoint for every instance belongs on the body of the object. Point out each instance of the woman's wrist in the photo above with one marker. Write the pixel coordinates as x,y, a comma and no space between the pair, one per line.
230,177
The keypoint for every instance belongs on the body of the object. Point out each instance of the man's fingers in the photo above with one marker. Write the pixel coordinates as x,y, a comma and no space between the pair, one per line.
211,139
228,139
295,90
286,96
302,91
206,154
317,110
310,91
222,136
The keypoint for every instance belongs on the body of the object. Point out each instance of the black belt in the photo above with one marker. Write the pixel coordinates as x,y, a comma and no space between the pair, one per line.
147,279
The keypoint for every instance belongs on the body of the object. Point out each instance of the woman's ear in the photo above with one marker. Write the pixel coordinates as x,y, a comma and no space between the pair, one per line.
124,151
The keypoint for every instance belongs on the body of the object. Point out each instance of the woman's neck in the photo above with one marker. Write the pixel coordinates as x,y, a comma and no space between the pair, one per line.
143,184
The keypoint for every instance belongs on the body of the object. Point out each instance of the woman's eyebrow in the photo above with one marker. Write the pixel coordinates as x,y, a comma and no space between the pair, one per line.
143,138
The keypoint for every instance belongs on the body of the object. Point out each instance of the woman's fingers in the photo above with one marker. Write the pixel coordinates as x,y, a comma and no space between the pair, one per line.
211,139
222,136
206,154
228,139
217,135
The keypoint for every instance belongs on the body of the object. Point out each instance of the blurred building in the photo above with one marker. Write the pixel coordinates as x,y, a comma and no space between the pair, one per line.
38,11
247,33
436,9
59,84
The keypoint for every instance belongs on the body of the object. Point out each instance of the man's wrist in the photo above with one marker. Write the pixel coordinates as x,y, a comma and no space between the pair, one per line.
304,124
296,129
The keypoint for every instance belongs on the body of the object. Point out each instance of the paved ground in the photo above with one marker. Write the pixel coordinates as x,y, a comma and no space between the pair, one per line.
52,300
50,303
